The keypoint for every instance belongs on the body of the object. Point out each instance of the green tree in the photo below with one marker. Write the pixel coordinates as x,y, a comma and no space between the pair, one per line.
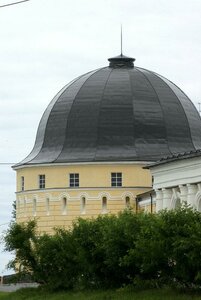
21,238
14,210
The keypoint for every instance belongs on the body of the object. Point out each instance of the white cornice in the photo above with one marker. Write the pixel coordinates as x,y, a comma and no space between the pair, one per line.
81,189
83,164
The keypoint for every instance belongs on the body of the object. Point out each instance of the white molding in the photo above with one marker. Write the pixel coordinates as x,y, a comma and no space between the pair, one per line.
78,197
84,163
84,194
81,189
104,194
63,195
177,173
127,194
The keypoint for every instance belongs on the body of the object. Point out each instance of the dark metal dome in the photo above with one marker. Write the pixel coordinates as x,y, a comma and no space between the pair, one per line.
116,113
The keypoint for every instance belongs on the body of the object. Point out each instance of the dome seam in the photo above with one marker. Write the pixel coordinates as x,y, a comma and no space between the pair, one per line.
93,72
160,76
158,102
98,128
132,95
64,89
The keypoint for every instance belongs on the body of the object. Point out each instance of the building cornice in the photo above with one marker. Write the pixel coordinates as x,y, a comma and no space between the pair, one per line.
82,164
64,189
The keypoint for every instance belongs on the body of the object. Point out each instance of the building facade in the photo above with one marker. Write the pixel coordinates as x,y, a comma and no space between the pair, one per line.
57,195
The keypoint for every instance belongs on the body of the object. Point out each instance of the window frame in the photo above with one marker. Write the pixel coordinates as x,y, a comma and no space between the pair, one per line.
74,180
47,206
83,205
22,183
64,205
128,202
34,206
104,205
41,181
116,179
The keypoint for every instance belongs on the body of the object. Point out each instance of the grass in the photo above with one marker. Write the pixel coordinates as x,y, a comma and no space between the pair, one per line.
38,294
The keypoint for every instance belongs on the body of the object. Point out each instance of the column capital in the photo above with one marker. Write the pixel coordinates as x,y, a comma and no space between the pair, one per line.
192,188
183,189
166,192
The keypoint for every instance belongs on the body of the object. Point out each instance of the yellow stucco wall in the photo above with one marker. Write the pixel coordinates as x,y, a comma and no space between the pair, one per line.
95,183
147,208
90,175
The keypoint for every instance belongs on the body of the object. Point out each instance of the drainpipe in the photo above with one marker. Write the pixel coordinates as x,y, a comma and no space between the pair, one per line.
137,201
151,202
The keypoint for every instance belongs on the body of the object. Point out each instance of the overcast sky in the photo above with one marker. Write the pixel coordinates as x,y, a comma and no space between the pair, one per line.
46,43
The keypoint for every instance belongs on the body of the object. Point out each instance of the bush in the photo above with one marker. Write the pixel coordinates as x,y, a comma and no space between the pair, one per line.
101,245
112,251
56,260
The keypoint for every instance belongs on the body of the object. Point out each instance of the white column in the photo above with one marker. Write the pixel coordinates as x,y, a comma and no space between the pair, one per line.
199,186
159,200
198,200
183,193
192,190
167,195
175,198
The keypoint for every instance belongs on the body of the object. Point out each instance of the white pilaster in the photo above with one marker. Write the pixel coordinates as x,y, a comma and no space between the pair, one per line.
167,195
175,201
183,193
199,186
192,190
159,200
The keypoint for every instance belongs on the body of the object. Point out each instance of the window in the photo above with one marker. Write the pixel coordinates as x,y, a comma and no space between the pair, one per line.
34,207
128,202
47,206
116,179
22,183
25,203
41,181
74,180
104,205
64,206
83,205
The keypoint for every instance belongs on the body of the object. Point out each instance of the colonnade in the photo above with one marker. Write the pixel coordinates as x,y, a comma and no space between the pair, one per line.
172,197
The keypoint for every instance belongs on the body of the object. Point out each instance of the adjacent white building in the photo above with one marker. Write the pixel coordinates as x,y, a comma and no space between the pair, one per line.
177,179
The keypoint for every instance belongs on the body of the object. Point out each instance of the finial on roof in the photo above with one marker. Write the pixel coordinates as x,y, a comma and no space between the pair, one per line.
121,61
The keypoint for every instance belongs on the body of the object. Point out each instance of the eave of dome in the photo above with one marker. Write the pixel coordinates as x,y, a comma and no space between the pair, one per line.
97,163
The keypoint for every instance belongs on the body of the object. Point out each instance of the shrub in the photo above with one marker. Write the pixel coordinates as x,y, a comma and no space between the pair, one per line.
111,251
56,260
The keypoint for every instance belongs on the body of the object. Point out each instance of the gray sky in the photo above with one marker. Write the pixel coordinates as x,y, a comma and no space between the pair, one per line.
46,43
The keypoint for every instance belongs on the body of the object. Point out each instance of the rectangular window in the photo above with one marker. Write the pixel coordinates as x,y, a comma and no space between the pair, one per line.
74,180
41,181
116,179
22,183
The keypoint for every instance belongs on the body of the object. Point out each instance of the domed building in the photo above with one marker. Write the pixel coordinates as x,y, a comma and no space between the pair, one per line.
94,139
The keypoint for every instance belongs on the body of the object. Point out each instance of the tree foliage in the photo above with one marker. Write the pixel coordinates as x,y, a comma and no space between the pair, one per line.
112,251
